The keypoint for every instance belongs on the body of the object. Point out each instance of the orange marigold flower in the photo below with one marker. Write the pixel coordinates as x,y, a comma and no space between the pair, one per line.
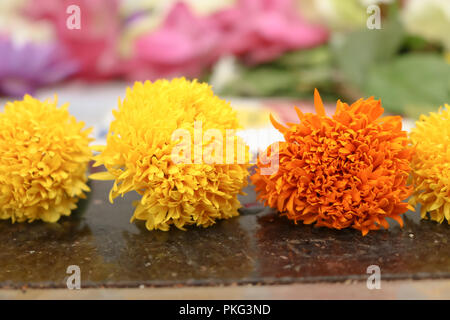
138,155
44,157
348,170
431,165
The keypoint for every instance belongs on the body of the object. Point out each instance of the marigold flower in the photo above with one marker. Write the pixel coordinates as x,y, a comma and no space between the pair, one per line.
45,153
431,165
138,155
348,170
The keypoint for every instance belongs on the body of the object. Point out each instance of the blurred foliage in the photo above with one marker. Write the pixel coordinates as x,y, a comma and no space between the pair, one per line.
384,63
359,50
295,74
410,84
408,73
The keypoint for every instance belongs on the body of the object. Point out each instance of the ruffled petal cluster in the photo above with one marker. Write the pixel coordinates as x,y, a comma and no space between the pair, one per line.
138,155
431,165
44,157
348,170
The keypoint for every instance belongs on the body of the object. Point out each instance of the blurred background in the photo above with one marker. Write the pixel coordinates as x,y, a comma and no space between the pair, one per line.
264,54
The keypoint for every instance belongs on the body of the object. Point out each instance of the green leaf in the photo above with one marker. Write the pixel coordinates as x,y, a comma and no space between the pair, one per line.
358,51
305,58
294,74
262,81
411,84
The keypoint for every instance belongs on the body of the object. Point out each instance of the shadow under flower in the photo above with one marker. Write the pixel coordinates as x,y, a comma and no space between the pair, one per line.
307,253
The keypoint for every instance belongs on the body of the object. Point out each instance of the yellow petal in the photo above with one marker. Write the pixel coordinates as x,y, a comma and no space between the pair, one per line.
105,175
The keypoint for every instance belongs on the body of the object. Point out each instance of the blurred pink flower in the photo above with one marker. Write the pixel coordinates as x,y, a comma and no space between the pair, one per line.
94,45
185,44
261,30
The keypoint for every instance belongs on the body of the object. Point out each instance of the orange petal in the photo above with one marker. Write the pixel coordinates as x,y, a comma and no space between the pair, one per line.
299,113
384,223
398,219
278,126
318,104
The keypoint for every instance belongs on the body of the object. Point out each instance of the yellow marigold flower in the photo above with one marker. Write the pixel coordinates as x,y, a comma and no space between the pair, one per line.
431,165
45,153
347,170
138,155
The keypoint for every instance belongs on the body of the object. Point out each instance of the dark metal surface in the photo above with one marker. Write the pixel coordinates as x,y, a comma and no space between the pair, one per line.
257,247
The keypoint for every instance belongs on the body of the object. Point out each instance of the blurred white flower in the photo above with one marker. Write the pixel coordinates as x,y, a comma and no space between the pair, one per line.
429,19
20,29
225,71
336,14
198,6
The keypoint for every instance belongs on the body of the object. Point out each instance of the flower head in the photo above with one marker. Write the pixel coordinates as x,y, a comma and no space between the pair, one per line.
348,170
428,19
185,44
338,15
431,165
139,155
262,30
25,67
45,154
94,45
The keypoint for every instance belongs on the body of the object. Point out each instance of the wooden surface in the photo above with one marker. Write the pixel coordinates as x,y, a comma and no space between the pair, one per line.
258,247
402,289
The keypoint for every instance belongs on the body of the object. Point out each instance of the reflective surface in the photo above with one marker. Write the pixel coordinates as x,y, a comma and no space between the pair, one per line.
257,247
